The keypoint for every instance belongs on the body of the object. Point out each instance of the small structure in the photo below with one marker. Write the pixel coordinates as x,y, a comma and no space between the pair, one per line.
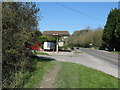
57,34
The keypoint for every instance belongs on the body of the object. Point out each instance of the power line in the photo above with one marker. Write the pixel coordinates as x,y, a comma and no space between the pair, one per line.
119,5
74,10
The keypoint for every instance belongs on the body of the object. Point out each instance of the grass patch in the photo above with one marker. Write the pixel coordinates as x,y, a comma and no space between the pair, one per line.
66,50
115,52
78,52
96,48
74,75
40,53
39,68
42,67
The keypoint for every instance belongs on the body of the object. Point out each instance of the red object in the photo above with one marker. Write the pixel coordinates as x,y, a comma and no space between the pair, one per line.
35,47
55,34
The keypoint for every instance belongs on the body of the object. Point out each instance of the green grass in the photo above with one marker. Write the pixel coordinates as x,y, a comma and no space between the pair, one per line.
96,48
78,52
40,53
116,52
71,75
39,68
37,76
74,75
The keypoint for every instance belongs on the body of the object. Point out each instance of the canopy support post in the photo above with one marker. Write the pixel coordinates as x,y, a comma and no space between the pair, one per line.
57,44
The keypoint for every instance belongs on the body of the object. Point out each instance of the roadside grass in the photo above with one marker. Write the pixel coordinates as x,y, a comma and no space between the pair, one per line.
115,52
39,68
78,52
74,75
40,53
96,48
42,67
66,50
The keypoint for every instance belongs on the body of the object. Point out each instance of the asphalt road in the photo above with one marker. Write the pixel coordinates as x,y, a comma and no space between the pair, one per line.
111,58
96,59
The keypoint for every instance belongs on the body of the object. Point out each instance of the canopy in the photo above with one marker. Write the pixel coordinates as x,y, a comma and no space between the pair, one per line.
59,33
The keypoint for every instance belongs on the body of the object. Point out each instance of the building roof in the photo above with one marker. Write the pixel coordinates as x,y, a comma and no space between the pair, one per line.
59,33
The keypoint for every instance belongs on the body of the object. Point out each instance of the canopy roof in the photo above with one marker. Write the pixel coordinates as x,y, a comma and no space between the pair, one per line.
59,33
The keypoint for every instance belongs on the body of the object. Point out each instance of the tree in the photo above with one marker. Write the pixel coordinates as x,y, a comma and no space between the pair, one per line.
111,30
19,22
117,31
84,37
45,38
97,37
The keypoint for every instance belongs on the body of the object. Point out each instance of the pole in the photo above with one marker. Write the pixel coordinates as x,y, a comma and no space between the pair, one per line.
57,44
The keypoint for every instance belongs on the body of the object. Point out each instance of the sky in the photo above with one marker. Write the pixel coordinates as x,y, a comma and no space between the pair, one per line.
72,16
65,0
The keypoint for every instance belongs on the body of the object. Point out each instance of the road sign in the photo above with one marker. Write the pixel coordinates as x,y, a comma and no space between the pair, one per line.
55,34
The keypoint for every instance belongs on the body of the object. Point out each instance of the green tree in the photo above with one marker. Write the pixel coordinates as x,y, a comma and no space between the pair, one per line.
117,31
84,37
19,21
45,38
97,37
111,30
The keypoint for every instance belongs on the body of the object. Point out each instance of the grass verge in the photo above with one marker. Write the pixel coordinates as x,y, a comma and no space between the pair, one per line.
74,75
115,52
78,52
42,67
40,53
39,68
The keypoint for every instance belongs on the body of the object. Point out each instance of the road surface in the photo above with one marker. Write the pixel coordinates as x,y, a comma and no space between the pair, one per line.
95,61
109,57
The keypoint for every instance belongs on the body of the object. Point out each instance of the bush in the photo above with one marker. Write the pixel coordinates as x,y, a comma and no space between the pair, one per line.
19,23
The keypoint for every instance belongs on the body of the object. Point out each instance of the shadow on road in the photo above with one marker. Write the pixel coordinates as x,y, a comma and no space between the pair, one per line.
43,58
64,51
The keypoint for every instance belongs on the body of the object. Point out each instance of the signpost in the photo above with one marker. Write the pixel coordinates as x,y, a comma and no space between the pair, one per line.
56,42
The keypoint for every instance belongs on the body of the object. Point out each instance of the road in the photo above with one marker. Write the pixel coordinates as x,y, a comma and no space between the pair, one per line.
100,60
111,58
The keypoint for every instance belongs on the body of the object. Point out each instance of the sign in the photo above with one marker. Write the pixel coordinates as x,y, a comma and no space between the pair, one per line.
55,34
91,44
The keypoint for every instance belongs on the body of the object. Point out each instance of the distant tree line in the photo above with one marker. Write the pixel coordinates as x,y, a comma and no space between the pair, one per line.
109,37
84,38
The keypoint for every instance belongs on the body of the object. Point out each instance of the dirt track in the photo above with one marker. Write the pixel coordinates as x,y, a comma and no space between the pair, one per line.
49,78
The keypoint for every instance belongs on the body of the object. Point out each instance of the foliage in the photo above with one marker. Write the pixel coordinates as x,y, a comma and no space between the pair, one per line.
84,37
111,33
45,38
97,38
19,22
33,79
